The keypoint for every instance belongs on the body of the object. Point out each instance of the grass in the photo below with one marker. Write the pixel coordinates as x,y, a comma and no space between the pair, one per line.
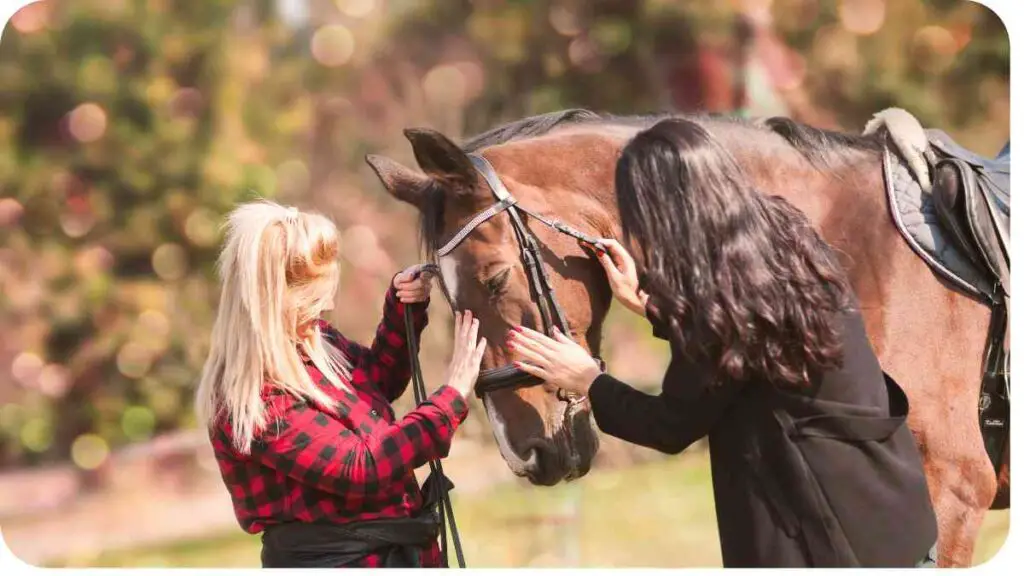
659,514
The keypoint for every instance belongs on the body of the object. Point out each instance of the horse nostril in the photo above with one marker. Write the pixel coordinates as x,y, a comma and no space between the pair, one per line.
549,469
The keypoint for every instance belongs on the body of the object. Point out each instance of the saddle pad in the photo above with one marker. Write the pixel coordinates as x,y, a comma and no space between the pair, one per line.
914,214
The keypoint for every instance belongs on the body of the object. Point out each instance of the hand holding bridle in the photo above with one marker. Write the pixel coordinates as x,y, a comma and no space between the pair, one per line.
620,267
413,284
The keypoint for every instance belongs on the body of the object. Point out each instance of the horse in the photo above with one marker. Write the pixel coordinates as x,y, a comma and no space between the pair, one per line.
929,336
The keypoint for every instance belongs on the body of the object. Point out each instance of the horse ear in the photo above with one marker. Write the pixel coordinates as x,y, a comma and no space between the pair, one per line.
440,157
403,183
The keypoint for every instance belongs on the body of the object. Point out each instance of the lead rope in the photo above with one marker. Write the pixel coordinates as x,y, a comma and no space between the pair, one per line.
445,511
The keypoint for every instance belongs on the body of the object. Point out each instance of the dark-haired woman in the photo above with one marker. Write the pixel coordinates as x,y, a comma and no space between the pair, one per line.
812,460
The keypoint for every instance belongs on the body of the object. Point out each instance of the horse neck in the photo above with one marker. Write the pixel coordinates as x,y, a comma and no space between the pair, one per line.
594,210
580,193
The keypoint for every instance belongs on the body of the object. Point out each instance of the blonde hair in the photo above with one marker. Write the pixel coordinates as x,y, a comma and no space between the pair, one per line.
278,270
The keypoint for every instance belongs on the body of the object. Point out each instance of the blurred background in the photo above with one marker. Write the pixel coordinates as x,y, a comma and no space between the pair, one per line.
129,127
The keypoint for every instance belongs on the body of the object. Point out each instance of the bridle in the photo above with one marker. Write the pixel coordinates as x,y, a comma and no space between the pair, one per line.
503,377
551,314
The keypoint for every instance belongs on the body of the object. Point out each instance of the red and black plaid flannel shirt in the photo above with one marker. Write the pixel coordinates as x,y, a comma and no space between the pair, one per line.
351,463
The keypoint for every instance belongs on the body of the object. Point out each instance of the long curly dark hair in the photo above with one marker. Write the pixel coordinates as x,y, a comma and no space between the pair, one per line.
741,281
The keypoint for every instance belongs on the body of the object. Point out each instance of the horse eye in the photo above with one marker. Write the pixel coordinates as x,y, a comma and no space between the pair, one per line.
496,284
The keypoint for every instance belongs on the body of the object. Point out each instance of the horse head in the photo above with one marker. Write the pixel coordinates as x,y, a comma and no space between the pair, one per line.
564,175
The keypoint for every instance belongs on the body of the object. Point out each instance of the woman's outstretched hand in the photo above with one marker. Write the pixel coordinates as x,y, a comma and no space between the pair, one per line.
620,267
466,354
559,361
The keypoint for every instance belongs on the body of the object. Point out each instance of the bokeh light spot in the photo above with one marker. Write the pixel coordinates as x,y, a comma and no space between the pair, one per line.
89,451
583,54
10,211
564,21
154,323
332,45
164,401
161,90
134,360
26,368
87,122
91,261
934,49
77,224
201,227
445,83
37,434
32,18
170,262
138,423
54,380
863,17
473,78
937,39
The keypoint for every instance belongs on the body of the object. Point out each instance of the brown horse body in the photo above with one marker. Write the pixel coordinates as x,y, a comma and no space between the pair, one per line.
929,337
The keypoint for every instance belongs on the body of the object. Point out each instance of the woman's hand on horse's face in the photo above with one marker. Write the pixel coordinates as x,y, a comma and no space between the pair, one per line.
413,284
467,353
559,361
620,267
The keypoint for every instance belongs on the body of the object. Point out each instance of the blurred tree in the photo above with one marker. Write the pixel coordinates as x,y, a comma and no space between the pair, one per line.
129,137
943,60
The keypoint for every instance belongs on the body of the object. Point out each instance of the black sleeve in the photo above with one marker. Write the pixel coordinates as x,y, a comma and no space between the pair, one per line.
670,421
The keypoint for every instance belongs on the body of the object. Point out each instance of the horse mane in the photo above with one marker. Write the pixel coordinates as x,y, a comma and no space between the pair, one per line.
824,149
529,127
542,124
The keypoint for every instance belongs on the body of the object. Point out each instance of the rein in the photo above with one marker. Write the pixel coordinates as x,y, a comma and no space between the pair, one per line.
444,511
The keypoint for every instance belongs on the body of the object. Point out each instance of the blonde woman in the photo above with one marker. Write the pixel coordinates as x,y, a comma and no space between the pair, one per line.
300,417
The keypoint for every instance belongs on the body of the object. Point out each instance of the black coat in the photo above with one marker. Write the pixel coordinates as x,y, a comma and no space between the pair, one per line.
825,476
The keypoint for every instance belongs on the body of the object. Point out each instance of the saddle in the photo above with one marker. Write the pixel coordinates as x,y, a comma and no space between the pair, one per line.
961,228
972,198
